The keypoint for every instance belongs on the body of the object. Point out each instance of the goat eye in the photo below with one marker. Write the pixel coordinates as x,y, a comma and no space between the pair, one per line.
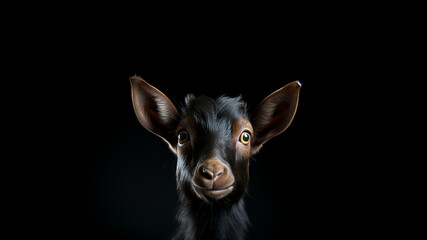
183,137
245,138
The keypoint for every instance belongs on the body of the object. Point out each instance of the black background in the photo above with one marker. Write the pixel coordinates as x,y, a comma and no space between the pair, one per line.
110,178
77,164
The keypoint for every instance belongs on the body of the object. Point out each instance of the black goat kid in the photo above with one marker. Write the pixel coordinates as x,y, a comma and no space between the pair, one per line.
213,140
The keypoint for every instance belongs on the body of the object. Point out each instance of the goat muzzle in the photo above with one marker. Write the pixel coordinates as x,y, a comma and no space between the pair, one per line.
213,179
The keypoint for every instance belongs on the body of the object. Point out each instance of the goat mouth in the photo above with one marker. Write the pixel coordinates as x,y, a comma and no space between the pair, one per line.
212,192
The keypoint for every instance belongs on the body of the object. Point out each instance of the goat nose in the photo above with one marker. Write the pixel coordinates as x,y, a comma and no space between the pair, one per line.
211,174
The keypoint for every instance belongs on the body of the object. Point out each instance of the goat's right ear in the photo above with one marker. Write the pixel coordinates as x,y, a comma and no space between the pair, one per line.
155,111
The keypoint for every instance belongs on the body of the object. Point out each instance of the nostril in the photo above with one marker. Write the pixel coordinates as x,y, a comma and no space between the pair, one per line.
206,173
211,174
217,174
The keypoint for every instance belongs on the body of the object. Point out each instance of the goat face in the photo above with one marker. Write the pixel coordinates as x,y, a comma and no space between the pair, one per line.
213,139
213,148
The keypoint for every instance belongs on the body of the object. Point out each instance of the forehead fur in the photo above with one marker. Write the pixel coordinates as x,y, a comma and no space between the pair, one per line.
211,114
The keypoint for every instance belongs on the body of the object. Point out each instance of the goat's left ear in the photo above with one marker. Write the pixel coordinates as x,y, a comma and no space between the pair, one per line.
155,111
274,114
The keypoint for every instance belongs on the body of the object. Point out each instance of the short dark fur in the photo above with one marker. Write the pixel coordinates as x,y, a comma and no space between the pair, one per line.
224,218
208,113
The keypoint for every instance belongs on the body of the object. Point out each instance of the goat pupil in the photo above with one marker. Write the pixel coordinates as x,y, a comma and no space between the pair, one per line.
182,136
245,137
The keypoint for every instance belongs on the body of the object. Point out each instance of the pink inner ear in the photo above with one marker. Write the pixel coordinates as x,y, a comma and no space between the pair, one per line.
154,110
275,113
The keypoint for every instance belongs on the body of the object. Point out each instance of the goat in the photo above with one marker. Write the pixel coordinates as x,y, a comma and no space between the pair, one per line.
213,141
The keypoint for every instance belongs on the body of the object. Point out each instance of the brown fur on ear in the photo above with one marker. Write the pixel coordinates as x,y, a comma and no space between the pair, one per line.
154,111
274,114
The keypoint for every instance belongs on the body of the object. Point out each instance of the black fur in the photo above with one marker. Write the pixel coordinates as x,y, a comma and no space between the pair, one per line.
225,218
201,220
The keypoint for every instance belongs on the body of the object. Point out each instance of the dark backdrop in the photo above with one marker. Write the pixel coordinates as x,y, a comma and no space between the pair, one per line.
83,167
115,180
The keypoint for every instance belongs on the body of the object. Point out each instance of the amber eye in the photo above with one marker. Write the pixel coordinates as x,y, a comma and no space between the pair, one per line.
245,137
183,137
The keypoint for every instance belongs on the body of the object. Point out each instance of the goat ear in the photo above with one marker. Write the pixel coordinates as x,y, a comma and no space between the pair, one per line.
274,114
155,111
